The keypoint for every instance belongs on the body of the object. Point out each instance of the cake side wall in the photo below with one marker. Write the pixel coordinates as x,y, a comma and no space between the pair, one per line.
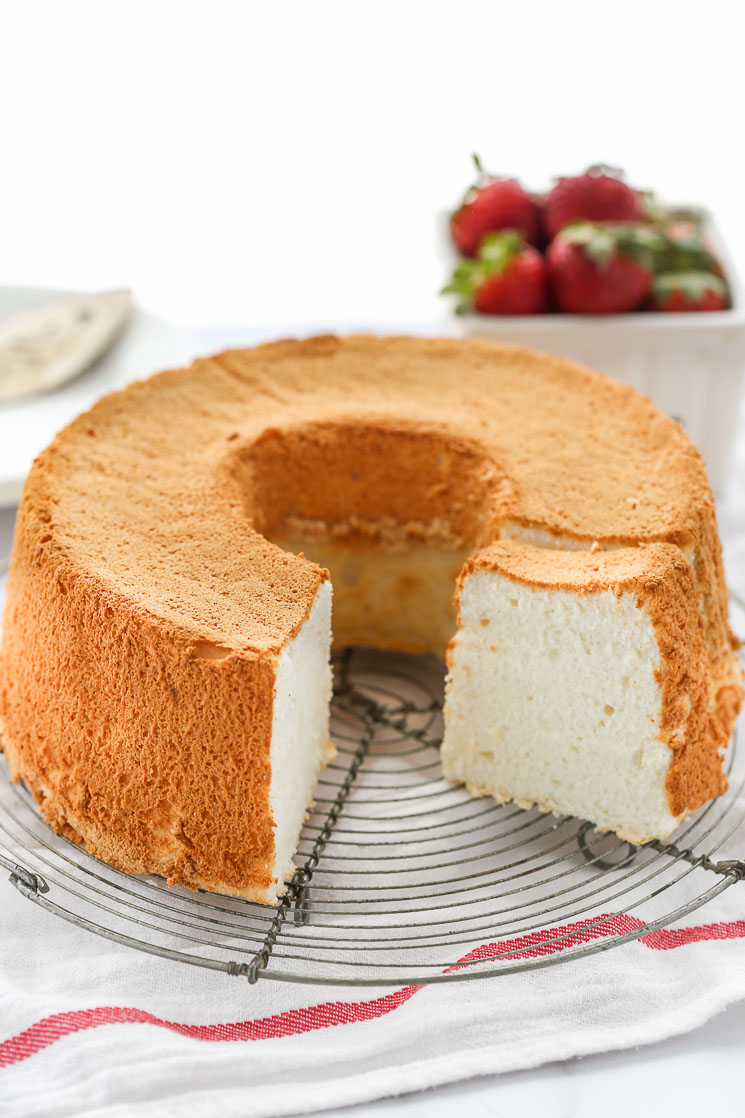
727,675
700,678
151,748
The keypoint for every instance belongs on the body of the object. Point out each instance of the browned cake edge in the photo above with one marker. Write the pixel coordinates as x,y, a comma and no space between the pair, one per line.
159,757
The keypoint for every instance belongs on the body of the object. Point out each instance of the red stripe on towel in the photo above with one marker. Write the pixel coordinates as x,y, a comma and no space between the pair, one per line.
291,1022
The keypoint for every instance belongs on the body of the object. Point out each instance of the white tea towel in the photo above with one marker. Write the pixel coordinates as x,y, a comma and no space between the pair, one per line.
92,1029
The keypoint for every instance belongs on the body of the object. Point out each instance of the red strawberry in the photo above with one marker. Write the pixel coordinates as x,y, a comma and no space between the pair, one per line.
689,291
601,269
489,206
597,195
509,277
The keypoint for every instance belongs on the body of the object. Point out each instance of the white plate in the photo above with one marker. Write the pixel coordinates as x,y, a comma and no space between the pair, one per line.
47,346
27,425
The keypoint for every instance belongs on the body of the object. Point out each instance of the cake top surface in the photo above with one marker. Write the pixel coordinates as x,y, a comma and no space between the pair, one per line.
163,492
643,568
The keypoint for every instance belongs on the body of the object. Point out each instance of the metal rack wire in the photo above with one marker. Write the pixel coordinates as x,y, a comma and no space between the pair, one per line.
402,878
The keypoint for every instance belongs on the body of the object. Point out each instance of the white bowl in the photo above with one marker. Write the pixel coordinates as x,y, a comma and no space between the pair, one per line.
690,364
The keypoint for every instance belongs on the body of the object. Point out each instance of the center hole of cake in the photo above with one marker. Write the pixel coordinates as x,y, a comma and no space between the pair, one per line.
392,512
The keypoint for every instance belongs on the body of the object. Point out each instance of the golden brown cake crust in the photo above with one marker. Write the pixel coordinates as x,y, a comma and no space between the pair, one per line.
146,610
134,739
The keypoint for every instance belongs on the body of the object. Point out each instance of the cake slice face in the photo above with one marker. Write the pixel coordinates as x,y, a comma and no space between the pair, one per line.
559,691
300,731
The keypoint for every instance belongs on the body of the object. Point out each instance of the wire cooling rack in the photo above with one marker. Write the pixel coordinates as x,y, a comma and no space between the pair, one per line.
402,877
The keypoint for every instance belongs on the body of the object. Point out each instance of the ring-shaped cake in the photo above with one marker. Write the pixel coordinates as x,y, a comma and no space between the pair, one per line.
164,671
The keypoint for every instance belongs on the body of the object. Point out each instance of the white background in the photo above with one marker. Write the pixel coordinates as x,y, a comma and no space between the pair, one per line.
241,163
258,165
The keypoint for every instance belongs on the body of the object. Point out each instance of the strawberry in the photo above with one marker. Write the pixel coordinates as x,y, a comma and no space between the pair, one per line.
489,206
597,195
601,269
689,291
509,277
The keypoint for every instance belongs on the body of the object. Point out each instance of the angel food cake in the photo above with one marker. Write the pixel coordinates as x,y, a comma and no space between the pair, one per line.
164,668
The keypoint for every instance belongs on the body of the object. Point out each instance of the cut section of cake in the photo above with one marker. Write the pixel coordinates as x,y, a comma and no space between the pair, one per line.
581,682
300,745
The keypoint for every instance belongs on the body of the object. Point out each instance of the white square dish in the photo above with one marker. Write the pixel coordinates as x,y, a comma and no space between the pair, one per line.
690,364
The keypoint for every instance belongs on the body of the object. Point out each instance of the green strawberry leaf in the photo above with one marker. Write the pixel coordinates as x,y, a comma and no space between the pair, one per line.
600,247
463,283
498,249
496,252
596,240
684,254
638,242
692,285
601,240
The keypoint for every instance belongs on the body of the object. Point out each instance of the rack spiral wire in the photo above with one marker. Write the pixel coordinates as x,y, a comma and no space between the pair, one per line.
402,878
